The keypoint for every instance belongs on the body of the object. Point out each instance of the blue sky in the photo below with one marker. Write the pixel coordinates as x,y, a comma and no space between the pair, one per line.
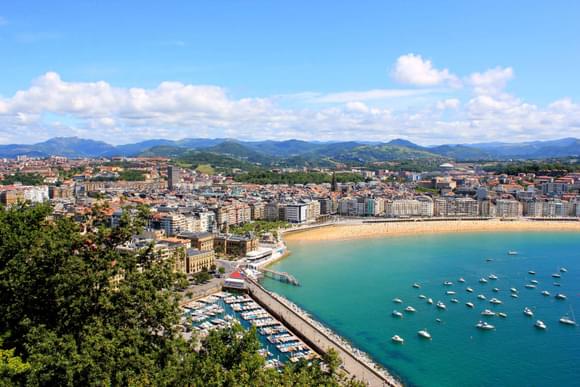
290,69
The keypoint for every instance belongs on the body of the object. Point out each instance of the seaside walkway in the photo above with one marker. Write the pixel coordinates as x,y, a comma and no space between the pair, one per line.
280,276
318,339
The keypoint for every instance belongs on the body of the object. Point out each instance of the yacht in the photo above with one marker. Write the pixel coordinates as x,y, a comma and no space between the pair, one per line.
545,293
430,301
469,290
532,272
487,312
563,270
513,290
512,252
398,314
447,283
528,312
560,296
441,305
410,309
502,314
397,301
492,277
462,280
450,292
567,320
416,285
424,334
455,300
535,282
556,275
485,326
530,286
470,304
482,280
514,295
495,290
398,339
540,324
495,301
481,297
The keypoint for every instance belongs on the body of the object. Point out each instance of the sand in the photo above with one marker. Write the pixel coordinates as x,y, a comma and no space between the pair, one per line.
384,229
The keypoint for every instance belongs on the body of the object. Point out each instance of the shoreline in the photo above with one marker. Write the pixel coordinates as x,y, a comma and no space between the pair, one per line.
353,231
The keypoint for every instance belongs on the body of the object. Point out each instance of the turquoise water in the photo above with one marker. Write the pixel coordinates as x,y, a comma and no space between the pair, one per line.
349,286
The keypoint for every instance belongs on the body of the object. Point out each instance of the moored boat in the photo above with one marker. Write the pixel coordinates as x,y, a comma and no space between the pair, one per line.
440,305
470,304
410,309
481,296
484,326
397,301
528,312
469,290
545,293
416,285
398,339
495,301
398,314
540,324
560,296
424,334
488,313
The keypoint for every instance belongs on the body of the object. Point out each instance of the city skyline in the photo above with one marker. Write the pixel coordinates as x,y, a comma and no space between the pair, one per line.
445,73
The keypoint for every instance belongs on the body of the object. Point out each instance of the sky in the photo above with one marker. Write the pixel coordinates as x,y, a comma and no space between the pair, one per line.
432,72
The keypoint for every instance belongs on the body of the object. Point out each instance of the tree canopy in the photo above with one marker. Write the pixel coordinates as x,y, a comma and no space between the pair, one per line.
76,310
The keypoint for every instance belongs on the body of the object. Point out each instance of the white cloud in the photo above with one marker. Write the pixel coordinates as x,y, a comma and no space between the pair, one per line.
3,21
366,95
414,70
450,103
492,81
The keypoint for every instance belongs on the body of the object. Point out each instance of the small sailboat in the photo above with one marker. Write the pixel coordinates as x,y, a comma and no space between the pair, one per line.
398,339
484,326
488,312
422,296
495,301
430,301
416,285
530,286
398,314
567,320
513,290
424,334
470,304
450,292
469,290
492,277
455,300
397,301
557,284
535,282
447,283
560,296
563,270
528,312
512,252
482,280
488,259
531,272
556,275
440,305
461,280
481,296
502,314
514,295
545,293
540,324
495,290
410,309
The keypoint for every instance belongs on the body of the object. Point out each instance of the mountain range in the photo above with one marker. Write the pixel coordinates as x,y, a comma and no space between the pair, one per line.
298,152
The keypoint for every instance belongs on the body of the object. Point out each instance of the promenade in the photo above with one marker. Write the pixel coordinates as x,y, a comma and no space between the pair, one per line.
318,339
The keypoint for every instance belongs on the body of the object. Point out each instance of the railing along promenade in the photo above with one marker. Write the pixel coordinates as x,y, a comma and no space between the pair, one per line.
318,339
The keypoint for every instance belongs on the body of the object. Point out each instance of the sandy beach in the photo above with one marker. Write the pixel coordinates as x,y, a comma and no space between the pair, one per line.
384,229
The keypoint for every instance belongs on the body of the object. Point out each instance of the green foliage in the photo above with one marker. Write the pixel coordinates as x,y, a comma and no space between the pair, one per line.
205,168
258,227
553,168
77,311
24,178
266,177
132,175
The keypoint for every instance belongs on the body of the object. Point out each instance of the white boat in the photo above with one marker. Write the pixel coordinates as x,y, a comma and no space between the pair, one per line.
430,301
532,272
556,275
416,285
567,320
482,280
462,280
455,300
540,324
481,296
530,286
470,304
398,314
563,270
560,296
502,314
424,334
514,295
450,292
495,290
492,277
512,252
495,301
528,312
469,290
438,320
557,284
397,301
410,309
485,326
513,290
535,282
447,283
440,305
422,296
398,339
488,312
545,293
